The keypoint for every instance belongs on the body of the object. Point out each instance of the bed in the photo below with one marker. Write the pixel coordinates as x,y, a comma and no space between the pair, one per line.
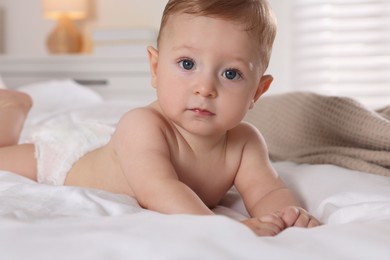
39,221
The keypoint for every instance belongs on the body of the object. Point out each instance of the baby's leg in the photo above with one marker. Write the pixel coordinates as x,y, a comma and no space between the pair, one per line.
19,159
14,107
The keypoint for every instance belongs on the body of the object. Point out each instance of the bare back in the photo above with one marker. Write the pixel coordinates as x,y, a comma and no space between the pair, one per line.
208,170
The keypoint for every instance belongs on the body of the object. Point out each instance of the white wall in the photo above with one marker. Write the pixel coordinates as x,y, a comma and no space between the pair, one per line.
25,31
280,65
1,30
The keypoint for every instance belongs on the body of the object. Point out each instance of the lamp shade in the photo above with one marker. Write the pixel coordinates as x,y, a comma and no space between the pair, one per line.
74,9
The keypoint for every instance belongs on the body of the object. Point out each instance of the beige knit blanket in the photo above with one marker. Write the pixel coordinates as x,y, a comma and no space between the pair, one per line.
304,127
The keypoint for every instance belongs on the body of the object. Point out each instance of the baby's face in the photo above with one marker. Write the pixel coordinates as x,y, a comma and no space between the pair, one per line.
208,73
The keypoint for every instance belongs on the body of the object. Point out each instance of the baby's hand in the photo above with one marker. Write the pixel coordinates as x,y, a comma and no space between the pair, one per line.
297,217
268,225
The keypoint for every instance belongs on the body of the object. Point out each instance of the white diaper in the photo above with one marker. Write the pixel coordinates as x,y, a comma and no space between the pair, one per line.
58,147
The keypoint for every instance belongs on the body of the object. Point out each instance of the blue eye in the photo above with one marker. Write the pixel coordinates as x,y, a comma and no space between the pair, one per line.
231,74
187,64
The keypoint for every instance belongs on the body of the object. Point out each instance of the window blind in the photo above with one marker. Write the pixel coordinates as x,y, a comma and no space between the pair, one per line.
342,47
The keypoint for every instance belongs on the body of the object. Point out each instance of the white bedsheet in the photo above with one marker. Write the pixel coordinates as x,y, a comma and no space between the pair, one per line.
45,222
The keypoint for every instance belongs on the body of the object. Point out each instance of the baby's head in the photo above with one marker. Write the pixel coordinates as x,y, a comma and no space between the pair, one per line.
255,16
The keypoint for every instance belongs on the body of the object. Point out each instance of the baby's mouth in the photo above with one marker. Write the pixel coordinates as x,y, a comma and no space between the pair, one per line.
202,112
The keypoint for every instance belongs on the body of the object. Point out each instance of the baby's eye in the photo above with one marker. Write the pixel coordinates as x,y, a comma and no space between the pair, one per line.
186,64
232,74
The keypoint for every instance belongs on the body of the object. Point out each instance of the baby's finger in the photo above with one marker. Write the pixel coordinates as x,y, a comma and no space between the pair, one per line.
266,229
274,219
313,222
290,215
303,220
306,220
262,228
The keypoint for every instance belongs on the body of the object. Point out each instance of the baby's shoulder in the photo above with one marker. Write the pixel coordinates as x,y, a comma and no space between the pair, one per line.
145,116
245,130
246,135
141,125
144,121
248,139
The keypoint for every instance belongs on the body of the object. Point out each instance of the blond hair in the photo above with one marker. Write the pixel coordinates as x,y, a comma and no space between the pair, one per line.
255,15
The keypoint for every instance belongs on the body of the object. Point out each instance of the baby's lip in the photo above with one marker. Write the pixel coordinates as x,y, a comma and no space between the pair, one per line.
202,112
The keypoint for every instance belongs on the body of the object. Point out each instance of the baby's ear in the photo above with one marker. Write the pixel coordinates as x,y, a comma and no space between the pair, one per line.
153,63
264,84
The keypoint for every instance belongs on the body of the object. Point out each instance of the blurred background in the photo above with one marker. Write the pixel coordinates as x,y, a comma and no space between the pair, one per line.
335,47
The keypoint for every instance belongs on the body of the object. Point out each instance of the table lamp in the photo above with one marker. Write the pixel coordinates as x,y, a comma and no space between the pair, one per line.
65,38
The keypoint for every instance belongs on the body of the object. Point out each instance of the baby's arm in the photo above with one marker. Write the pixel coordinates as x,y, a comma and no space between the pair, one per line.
263,192
143,153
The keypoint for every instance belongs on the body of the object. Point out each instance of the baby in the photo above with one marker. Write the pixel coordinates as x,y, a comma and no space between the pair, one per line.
183,152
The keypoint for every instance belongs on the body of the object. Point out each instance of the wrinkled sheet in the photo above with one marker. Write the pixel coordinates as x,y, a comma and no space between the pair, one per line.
40,221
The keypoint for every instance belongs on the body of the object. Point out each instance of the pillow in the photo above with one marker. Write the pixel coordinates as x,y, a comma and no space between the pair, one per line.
52,96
